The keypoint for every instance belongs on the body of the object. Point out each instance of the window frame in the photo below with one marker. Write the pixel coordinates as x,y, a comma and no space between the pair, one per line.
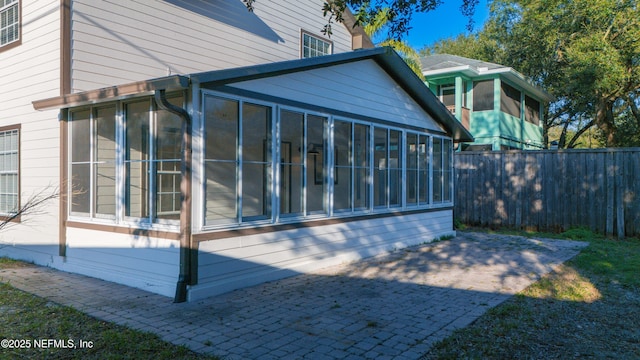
120,160
426,170
510,100
447,88
531,112
315,38
478,97
18,40
17,129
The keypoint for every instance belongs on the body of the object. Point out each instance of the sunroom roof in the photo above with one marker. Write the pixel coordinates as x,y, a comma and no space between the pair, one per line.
386,58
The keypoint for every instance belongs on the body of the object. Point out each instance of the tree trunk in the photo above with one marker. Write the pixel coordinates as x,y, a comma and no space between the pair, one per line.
604,119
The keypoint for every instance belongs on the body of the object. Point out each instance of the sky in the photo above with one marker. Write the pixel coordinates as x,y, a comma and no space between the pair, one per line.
444,22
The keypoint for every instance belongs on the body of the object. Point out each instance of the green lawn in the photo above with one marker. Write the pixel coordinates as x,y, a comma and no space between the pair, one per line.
28,318
589,308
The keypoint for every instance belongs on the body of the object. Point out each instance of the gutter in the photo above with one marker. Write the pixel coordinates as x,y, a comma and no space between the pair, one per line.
186,275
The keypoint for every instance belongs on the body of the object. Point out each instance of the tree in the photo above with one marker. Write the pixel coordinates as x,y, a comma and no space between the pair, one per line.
32,206
398,13
585,53
377,27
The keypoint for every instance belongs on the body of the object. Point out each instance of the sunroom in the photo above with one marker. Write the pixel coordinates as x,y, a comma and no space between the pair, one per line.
226,179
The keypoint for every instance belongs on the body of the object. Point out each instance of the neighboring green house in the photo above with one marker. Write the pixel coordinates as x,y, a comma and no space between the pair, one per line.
499,106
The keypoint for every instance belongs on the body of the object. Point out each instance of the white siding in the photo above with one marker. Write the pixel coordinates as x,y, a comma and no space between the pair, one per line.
121,41
232,263
360,88
30,72
147,263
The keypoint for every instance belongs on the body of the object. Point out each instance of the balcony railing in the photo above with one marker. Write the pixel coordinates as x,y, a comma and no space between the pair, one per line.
463,118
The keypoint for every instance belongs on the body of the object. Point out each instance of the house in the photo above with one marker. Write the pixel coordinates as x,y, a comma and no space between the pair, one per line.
201,148
498,105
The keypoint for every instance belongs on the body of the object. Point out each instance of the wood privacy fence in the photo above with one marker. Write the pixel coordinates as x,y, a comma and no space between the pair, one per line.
550,190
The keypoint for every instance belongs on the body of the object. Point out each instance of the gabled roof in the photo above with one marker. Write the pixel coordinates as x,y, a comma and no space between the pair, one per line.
386,58
443,64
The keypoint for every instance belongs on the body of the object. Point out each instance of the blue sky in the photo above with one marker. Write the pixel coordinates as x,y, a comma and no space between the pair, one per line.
444,22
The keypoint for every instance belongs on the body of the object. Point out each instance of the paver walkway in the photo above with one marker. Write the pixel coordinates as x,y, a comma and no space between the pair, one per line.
393,306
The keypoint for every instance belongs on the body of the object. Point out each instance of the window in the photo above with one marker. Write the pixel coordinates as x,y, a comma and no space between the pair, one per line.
151,178
9,170
9,22
351,172
483,95
93,162
509,100
532,110
442,170
417,168
266,164
313,46
238,161
448,95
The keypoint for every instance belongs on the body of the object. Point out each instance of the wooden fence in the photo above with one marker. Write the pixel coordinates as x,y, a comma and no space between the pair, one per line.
550,190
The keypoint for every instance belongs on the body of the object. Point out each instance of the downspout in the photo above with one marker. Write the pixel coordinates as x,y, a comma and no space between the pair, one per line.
185,276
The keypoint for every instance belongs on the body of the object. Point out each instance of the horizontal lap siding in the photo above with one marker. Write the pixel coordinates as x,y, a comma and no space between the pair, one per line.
147,263
341,87
122,41
232,263
30,72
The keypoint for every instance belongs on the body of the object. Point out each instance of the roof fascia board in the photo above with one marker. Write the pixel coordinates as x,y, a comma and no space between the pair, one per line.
509,73
221,77
119,92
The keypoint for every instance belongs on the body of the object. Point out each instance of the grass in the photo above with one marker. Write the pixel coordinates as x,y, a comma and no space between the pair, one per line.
587,308
27,318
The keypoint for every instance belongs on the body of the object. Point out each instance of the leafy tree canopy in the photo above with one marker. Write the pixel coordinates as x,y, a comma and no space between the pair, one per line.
586,53
397,13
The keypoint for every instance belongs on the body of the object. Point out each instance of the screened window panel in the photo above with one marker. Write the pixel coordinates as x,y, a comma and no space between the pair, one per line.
221,118
81,136
81,190
483,95
423,169
509,100
447,171
361,164
317,170
256,160
395,168
80,128
437,170
412,169
291,161
137,159
342,194
221,128
220,191
532,110
380,167
105,189
105,169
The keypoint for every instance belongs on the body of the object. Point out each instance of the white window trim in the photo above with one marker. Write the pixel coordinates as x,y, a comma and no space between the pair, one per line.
119,218
276,218
303,34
